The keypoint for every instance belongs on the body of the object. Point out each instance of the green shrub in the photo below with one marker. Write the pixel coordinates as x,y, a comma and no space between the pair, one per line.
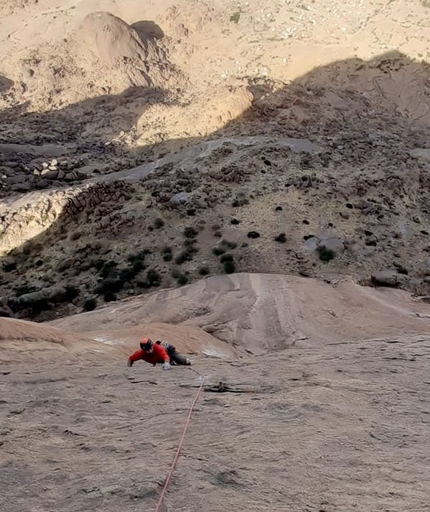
183,257
126,274
226,257
90,305
109,296
109,269
240,202
167,253
139,256
281,238
229,267
228,245
138,266
182,280
71,293
97,263
158,223
190,232
189,242
186,254
110,285
204,271
325,254
153,277
217,251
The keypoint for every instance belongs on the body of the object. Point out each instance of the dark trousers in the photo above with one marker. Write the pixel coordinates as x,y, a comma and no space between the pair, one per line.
176,358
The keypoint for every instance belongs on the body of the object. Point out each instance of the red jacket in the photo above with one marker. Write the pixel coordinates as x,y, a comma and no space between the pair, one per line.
158,355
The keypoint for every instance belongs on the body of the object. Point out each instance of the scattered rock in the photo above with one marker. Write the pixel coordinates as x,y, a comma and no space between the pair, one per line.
371,240
8,263
179,198
334,244
390,278
51,175
421,153
311,242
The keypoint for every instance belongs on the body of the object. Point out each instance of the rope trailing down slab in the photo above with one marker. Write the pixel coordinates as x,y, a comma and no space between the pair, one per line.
181,441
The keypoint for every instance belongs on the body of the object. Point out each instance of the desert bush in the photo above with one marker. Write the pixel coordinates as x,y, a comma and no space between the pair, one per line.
204,271
188,252
158,223
325,254
229,267
281,238
228,245
126,274
167,253
182,280
153,277
138,266
108,269
190,232
71,293
110,285
97,263
226,257
240,202
109,296
89,305
217,251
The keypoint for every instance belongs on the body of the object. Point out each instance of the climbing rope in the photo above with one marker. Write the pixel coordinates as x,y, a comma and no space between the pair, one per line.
181,441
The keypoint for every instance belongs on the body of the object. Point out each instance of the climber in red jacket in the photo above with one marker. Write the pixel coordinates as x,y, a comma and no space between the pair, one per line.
152,353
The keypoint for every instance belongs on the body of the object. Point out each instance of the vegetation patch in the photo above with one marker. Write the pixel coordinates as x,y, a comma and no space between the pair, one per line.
325,254
90,305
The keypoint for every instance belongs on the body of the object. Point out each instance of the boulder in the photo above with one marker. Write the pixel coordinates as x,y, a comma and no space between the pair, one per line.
390,278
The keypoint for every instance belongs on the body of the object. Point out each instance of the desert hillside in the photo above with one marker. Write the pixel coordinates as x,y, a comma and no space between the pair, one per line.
148,145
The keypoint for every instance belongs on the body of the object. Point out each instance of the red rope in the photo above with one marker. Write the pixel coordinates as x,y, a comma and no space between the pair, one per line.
175,460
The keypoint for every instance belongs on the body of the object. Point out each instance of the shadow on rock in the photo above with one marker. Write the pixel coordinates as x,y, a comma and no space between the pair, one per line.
5,84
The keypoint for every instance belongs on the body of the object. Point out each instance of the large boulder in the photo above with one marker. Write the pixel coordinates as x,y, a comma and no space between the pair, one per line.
119,46
389,278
